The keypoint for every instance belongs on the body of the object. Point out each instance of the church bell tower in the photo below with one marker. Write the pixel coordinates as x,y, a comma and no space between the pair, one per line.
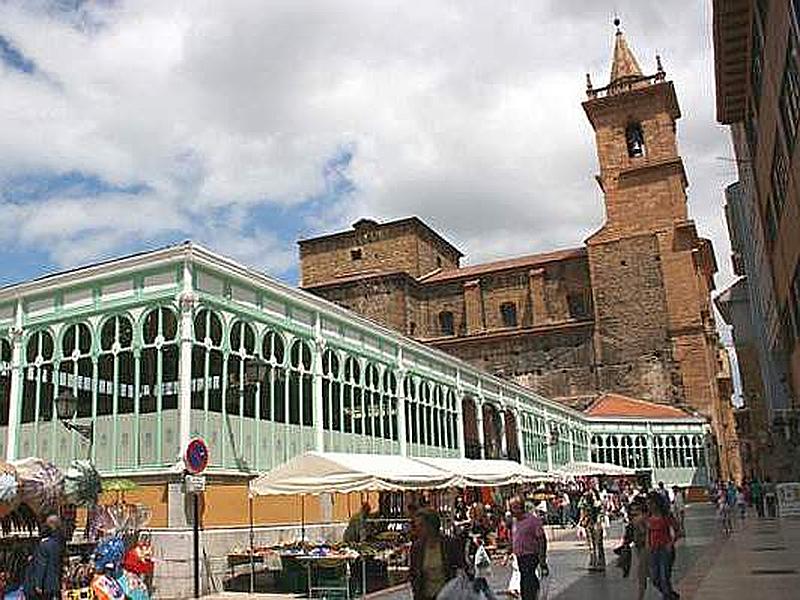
634,118
651,274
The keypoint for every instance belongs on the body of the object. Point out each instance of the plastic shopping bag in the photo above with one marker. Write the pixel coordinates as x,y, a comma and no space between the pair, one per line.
457,588
462,587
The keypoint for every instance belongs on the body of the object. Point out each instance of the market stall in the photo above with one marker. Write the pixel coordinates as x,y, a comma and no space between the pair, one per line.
382,543
368,545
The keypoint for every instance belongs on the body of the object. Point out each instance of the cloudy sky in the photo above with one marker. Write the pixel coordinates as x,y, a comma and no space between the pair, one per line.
127,125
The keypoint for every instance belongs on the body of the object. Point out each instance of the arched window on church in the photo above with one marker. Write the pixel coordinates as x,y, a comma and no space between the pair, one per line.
634,139
446,324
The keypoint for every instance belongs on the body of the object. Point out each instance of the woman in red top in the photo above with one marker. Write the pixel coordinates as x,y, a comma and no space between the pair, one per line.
662,531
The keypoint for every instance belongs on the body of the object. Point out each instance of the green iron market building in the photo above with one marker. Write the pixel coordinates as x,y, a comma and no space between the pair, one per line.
156,345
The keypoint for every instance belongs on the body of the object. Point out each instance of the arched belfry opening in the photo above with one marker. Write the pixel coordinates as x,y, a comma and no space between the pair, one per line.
634,139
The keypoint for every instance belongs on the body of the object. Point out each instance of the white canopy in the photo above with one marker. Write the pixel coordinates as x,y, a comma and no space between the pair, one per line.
587,469
491,473
319,472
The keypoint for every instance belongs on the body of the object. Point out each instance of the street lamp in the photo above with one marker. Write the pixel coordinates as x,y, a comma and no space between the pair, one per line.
66,407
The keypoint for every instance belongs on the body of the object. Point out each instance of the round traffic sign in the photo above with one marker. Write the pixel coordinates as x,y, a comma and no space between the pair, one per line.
196,456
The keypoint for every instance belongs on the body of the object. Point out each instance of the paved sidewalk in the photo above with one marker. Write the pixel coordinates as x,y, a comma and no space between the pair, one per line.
761,559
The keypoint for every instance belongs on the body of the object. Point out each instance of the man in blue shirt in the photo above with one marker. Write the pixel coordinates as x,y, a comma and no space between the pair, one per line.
43,578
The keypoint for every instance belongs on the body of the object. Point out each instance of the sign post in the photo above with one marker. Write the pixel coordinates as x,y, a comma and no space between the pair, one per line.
195,461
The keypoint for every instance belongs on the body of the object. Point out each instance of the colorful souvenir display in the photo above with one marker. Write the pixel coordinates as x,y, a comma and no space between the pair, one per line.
120,518
9,489
41,485
82,484
105,587
139,558
133,586
109,553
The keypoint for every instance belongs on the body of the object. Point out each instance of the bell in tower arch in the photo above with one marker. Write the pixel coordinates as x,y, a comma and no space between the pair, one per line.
634,138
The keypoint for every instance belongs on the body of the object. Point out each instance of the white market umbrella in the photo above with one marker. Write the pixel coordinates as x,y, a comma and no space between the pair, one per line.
486,473
320,472
589,469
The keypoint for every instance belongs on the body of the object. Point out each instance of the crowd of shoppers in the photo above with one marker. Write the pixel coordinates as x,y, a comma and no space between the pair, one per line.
654,522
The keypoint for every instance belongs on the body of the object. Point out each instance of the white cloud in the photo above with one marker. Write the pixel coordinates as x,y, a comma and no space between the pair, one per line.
465,113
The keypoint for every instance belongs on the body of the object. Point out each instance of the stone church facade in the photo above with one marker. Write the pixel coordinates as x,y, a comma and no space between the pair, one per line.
628,312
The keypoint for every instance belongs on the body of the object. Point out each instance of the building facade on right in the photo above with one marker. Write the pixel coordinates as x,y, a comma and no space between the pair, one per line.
757,64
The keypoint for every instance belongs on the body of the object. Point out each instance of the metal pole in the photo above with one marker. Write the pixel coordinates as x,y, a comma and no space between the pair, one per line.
196,533
252,548
303,518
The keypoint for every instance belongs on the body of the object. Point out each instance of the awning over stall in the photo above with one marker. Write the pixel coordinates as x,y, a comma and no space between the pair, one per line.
491,473
588,469
319,472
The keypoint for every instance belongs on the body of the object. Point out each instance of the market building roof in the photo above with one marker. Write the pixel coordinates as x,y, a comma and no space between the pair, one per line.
531,260
616,405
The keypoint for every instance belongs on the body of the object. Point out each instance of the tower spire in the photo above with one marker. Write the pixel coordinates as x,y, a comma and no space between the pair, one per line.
623,64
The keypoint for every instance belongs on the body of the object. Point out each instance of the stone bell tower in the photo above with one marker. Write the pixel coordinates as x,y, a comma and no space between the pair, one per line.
651,274
641,172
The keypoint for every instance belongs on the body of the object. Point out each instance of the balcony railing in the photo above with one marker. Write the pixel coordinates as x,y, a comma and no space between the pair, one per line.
624,85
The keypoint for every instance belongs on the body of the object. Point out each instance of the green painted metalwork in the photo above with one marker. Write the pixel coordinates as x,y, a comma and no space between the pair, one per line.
112,334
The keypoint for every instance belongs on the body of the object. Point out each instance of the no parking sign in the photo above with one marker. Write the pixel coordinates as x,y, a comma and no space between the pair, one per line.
196,457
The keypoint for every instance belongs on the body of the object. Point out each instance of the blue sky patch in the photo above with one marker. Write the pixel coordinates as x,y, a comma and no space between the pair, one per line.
33,187
11,56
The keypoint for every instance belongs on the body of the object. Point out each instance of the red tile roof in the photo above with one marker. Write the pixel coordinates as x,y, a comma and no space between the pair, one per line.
617,405
530,260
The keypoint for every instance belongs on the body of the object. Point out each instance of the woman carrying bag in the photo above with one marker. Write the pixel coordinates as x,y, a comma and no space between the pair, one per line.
435,559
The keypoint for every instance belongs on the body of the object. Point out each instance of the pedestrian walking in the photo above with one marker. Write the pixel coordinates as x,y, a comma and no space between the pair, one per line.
757,496
434,558
662,532
592,521
633,555
679,507
741,504
566,510
43,577
529,544
724,513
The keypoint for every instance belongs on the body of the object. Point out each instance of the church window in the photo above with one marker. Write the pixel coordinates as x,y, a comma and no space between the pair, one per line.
355,254
634,138
578,305
508,311
439,262
446,322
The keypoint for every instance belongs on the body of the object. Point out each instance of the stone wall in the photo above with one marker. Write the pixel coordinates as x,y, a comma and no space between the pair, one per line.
385,300
370,248
632,323
556,363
